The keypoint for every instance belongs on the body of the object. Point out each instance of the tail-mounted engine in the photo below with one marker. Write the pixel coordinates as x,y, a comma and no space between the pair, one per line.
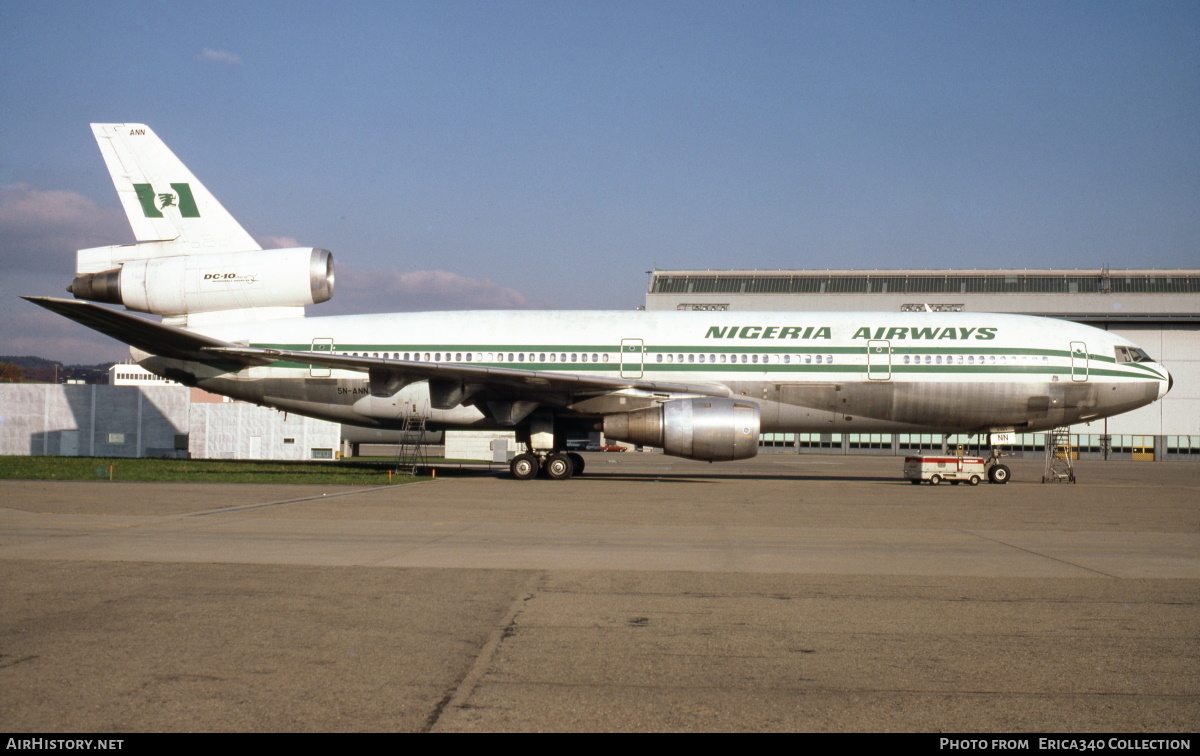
181,284
710,429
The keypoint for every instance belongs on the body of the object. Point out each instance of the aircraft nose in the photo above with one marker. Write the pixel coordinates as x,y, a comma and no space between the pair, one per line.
1170,385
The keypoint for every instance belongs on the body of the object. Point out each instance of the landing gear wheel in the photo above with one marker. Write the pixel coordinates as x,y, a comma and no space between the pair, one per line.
524,466
999,474
577,458
935,480
559,466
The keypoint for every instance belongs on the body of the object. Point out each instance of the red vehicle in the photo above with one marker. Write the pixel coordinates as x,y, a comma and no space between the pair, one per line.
612,448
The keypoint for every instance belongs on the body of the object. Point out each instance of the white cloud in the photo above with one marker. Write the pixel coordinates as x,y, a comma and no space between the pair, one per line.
277,242
31,330
208,55
40,229
368,291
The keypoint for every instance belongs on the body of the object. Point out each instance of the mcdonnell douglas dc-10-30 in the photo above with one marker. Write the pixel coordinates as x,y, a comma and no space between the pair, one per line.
699,385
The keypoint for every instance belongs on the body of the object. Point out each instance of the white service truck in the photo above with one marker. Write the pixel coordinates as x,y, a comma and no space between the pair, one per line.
952,469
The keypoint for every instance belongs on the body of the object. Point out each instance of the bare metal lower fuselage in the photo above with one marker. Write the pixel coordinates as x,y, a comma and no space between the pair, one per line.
785,407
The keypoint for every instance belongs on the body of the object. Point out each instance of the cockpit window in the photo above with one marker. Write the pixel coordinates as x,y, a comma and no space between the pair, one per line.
1132,354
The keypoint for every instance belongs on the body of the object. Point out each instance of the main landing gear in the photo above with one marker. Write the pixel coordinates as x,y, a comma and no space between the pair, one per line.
554,465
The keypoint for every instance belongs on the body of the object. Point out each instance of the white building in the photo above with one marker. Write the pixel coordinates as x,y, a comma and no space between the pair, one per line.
153,421
130,374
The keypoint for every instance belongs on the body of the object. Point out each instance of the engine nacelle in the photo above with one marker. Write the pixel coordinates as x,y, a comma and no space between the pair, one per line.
711,429
183,284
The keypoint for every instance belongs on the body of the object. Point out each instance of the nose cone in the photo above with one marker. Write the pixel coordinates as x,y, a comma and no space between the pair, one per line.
1170,385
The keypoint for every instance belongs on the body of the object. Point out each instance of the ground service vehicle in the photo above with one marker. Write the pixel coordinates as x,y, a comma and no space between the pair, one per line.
952,469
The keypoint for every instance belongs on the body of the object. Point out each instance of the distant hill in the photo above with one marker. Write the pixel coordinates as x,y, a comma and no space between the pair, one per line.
42,370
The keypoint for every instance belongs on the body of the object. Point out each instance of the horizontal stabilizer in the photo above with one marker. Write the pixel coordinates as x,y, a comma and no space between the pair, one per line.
148,336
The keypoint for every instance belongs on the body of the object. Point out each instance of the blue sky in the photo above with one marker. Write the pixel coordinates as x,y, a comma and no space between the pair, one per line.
547,154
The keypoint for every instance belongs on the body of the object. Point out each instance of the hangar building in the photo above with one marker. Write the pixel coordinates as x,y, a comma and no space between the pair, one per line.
1159,310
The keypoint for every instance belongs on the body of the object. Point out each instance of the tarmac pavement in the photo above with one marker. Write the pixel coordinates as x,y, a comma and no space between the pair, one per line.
784,593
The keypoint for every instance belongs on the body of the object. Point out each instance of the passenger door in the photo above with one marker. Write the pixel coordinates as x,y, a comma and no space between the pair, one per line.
1079,361
879,360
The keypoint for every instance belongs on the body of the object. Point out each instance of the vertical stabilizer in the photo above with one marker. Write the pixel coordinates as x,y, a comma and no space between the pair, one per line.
162,199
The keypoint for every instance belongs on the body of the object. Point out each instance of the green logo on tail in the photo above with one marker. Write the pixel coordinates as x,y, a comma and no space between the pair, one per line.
152,204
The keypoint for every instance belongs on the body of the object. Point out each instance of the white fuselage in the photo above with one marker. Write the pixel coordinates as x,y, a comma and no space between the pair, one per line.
849,371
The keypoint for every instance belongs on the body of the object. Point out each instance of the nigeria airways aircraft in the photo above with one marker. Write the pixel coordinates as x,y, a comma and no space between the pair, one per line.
700,385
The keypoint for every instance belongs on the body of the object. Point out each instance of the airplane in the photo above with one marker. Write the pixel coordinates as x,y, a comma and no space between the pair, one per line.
698,385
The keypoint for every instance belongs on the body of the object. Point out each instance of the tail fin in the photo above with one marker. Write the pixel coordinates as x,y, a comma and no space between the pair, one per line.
162,199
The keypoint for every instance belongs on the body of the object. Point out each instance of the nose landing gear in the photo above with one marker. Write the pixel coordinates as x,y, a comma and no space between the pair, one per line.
996,472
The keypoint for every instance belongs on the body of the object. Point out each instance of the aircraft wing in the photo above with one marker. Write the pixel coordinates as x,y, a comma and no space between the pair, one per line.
147,335
381,370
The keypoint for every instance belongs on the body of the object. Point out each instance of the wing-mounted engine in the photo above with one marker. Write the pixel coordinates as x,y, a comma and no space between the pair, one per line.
712,429
194,283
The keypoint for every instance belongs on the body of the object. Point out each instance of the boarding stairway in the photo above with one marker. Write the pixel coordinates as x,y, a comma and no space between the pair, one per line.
1059,456
408,453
